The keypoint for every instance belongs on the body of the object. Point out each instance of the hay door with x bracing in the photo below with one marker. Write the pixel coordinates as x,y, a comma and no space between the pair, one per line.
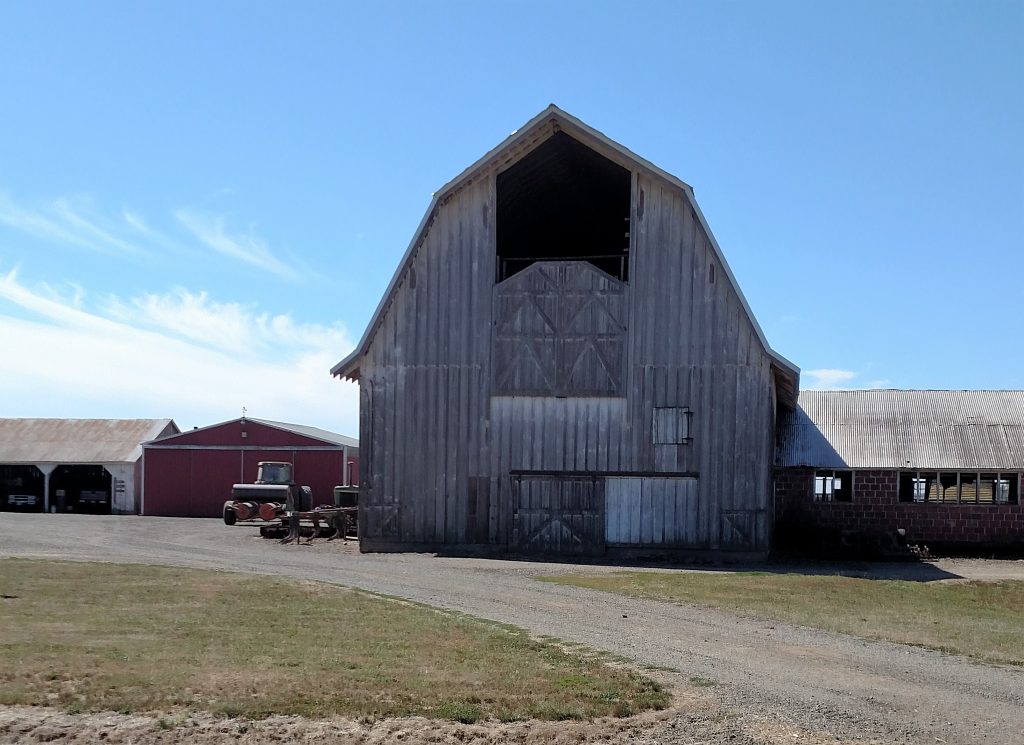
558,514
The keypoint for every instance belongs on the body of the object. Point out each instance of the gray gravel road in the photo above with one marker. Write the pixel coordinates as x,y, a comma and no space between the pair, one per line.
827,683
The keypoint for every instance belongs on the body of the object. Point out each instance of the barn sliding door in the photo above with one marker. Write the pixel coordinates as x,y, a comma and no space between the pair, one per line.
645,511
558,515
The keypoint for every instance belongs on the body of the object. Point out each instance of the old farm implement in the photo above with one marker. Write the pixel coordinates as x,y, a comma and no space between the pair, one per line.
282,509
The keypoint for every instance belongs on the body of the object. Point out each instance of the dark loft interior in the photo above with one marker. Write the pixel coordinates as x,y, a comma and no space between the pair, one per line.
563,202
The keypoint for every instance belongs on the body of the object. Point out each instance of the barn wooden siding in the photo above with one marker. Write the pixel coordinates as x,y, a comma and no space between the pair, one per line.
452,458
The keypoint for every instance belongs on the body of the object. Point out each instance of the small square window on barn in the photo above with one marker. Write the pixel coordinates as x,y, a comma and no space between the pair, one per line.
917,486
833,486
949,488
968,488
671,425
1007,488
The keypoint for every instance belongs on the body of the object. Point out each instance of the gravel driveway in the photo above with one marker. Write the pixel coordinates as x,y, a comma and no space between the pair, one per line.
824,683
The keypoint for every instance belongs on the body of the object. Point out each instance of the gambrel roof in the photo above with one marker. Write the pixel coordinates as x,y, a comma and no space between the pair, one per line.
513,148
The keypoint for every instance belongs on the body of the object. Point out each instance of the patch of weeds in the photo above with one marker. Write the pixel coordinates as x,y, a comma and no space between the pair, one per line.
573,681
612,694
623,709
458,711
702,682
173,723
231,710
75,708
565,713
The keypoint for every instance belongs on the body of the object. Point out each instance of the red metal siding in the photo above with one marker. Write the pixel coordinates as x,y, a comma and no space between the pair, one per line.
166,482
196,482
212,472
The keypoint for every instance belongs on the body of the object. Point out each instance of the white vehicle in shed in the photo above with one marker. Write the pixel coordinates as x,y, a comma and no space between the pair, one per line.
22,500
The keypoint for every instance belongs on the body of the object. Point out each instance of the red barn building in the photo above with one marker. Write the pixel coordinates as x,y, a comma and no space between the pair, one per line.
190,475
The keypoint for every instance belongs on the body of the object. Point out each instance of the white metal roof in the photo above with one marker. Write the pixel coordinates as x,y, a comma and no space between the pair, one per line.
933,430
314,432
78,441
299,429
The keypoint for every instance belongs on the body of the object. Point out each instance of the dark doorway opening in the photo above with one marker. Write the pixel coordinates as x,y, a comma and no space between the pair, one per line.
80,489
21,488
565,202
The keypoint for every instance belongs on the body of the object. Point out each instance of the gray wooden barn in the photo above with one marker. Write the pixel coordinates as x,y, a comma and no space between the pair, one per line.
563,363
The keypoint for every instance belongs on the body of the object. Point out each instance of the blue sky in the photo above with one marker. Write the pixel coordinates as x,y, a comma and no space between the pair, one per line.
201,203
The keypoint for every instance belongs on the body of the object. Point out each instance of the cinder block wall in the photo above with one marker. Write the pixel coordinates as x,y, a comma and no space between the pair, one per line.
876,508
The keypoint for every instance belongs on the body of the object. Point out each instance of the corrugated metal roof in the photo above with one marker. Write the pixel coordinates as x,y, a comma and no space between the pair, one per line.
74,441
954,430
315,432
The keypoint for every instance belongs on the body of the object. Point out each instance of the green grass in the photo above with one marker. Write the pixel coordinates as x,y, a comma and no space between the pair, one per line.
984,620
95,637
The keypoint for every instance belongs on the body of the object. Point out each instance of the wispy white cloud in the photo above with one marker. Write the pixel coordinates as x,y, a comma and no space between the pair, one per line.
234,327
34,222
66,221
826,379
75,221
76,216
248,248
136,221
181,355
832,379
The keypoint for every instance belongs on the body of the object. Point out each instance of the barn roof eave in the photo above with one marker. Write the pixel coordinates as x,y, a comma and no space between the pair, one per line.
314,433
348,367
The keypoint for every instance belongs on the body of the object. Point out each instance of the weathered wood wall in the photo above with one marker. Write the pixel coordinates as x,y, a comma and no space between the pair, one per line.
446,424
425,385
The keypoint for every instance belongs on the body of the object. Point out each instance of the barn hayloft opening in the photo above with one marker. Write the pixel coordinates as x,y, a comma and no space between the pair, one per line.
563,202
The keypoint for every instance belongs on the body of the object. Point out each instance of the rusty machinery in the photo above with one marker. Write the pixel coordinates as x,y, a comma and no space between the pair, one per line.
283,509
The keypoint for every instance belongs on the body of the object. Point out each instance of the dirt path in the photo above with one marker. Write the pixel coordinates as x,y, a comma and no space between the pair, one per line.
765,671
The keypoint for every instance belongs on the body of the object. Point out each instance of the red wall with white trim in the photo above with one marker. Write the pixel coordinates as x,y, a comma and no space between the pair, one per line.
191,475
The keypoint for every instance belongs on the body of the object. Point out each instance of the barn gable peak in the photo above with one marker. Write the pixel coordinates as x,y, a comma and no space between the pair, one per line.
519,145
